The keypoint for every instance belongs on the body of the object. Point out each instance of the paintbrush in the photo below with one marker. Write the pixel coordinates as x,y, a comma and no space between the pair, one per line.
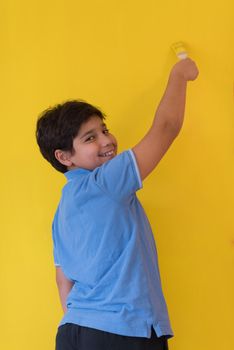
180,50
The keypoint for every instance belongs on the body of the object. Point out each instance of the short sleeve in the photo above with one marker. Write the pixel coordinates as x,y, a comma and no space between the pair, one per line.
119,177
55,250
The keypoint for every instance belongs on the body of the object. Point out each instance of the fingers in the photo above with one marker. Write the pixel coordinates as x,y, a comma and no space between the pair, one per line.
186,68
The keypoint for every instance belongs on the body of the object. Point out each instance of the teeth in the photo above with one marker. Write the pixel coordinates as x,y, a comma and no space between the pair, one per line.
107,154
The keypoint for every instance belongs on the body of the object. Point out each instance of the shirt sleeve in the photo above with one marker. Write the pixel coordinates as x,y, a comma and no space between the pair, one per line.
119,177
55,251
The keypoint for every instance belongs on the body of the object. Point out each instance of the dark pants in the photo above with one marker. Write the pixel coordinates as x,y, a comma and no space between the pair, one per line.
73,337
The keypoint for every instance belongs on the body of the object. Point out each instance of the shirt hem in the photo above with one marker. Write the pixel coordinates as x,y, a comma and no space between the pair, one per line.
143,329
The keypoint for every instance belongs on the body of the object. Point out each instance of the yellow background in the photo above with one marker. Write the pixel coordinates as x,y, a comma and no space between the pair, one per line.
116,55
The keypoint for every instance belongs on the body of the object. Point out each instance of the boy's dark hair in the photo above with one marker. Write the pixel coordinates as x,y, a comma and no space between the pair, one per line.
57,127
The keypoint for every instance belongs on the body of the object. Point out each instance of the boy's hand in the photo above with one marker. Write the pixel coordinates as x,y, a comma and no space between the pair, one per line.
185,69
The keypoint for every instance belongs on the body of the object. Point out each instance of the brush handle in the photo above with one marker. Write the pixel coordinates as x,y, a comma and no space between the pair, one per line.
180,50
182,55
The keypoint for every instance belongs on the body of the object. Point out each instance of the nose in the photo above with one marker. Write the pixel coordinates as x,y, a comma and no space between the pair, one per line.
105,140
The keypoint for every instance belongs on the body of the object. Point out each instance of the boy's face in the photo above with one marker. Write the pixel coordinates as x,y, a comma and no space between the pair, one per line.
93,145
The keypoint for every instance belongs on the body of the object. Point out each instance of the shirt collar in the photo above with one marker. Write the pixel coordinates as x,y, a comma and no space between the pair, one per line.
72,174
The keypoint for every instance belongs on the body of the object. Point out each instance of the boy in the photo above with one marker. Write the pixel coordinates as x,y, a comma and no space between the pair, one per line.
104,251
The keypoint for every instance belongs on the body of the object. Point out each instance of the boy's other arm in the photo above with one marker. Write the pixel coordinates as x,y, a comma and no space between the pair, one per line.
168,118
64,286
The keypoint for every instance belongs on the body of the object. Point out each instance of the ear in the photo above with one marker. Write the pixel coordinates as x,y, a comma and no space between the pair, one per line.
63,157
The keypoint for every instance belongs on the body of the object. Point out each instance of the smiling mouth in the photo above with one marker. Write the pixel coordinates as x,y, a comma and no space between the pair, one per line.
107,154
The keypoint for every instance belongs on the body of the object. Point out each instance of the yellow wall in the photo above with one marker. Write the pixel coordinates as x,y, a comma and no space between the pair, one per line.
116,54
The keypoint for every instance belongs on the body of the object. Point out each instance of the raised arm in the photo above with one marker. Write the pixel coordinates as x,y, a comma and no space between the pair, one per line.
64,287
168,118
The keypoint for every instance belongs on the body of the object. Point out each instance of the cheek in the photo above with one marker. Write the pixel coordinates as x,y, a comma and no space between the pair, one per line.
92,150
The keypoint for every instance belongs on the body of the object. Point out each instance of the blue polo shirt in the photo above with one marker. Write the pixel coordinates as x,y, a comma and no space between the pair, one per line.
104,244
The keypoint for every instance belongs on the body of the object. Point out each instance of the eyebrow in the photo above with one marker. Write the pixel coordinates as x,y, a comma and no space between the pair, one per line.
91,131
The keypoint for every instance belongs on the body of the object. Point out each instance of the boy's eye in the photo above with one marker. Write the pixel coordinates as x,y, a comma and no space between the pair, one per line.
90,138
